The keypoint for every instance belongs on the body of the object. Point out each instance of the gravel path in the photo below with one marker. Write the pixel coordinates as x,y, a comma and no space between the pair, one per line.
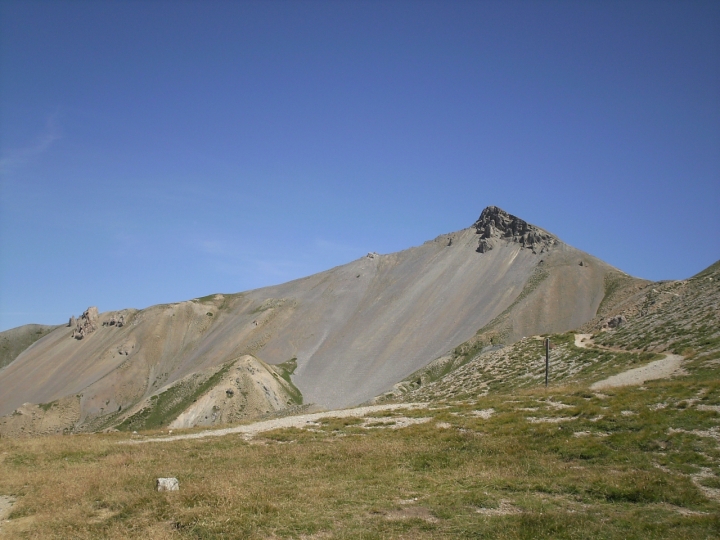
249,430
659,369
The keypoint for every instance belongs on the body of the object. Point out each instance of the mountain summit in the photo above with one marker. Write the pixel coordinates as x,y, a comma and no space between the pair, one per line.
350,333
495,223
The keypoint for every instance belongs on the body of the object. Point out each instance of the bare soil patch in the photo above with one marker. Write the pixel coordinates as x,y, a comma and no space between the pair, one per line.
6,504
659,369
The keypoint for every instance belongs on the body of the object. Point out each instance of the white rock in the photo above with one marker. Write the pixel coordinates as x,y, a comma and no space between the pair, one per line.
167,484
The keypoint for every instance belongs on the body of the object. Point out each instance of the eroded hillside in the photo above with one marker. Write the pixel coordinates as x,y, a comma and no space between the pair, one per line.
354,331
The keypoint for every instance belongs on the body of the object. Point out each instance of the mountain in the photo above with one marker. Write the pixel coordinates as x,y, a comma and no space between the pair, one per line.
352,331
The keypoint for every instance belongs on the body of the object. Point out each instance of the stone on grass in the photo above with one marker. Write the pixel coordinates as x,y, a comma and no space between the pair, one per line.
167,484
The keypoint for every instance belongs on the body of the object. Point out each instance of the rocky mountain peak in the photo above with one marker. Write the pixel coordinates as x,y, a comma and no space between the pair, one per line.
496,224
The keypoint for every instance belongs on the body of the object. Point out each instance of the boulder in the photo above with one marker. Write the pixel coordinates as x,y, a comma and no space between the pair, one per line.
167,484
615,322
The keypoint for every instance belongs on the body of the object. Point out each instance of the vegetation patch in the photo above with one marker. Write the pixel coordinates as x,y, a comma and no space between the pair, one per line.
677,316
285,371
47,406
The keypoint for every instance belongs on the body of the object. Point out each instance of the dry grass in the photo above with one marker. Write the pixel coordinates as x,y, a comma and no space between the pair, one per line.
499,476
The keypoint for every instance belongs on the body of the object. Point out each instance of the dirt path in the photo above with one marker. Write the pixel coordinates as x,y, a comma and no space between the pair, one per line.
580,340
659,369
251,430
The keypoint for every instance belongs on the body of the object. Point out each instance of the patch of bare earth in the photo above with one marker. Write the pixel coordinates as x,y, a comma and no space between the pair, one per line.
581,339
659,369
6,504
710,493
410,512
505,508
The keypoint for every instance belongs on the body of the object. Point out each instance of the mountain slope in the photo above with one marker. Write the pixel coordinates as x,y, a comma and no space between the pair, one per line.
16,340
355,330
672,317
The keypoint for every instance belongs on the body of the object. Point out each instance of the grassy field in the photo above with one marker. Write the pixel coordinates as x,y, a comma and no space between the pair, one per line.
562,463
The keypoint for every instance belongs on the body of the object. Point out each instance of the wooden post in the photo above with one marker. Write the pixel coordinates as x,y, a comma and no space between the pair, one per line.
547,360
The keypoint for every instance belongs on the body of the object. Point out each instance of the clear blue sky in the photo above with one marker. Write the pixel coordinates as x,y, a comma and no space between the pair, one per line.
158,151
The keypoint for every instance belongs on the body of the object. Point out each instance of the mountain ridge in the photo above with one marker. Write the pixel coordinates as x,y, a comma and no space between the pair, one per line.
355,330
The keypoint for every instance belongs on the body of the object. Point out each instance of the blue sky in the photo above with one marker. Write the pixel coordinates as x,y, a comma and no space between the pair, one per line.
154,152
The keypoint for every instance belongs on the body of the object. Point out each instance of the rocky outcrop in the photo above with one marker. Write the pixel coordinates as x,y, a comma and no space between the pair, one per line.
614,322
495,224
115,321
87,323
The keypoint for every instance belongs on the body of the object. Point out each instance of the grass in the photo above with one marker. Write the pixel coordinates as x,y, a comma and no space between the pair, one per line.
623,476
47,406
615,283
680,317
285,370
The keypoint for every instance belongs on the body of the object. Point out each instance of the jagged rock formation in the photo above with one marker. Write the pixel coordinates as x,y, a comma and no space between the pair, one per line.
118,321
87,323
494,223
